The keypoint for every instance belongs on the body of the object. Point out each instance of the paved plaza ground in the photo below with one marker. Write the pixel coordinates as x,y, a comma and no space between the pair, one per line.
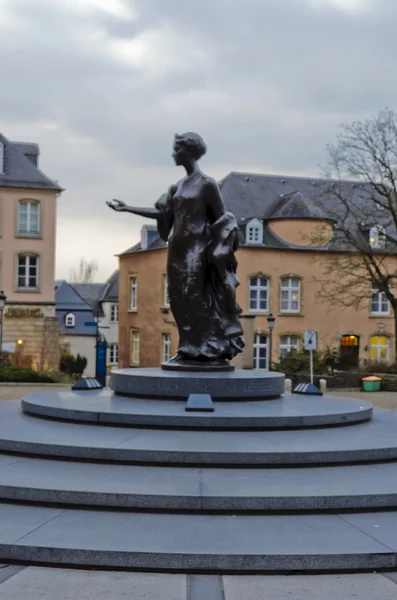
35,583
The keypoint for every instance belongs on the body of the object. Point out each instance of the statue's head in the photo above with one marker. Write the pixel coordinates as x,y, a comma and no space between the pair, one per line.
188,146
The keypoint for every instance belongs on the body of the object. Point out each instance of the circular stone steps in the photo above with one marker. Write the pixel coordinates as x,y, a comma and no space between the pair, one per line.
193,489
105,408
375,440
198,543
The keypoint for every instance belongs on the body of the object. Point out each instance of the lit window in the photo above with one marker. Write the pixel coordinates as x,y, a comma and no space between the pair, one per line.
70,320
135,347
134,293
28,272
113,354
254,232
288,343
290,291
114,313
377,237
260,351
379,350
165,297
259,294
28,217
380,304
166,346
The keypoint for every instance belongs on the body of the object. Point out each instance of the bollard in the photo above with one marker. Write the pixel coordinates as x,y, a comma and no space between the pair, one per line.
323,385
288,385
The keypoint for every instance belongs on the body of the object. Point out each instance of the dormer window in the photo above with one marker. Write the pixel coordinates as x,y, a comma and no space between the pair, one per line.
254,232
377,237
70,320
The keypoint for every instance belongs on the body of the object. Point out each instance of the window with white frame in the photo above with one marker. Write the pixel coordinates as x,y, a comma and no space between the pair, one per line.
260,351
254,232
377,237
288,343
290,292
70,320
135,347
28,217
28,272
133,293
114,313
166,346
380,304
380,348
259,294
113,354
165,299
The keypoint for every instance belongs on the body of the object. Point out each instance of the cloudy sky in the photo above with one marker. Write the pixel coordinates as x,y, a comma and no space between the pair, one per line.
103,85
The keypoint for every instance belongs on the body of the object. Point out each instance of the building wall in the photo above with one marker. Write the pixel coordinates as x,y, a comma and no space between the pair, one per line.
11,244
85,346
302,232
38,330
108,328
151,320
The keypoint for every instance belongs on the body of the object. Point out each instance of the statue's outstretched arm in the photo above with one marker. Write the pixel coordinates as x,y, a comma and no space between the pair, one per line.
119,206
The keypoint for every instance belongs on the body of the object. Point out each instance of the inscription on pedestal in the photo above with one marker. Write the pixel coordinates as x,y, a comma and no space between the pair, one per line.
158,383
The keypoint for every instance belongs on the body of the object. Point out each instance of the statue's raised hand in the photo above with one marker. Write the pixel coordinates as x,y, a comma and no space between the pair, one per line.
117,205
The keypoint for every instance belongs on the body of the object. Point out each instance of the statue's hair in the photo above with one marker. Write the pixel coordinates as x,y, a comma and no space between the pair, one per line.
193,143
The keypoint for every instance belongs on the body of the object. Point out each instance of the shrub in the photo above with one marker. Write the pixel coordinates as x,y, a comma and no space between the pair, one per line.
298,361
11,373
374,366
73,366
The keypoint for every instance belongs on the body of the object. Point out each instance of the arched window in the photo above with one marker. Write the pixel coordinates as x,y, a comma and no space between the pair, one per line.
29,217
70,320
377,236
290,295
259,294
254,232
28,266
380,348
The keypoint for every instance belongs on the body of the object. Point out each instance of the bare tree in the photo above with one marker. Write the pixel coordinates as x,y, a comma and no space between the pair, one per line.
361,204
85,272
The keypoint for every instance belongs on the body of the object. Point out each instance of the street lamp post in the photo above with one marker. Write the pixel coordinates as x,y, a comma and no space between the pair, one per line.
3,299
270,321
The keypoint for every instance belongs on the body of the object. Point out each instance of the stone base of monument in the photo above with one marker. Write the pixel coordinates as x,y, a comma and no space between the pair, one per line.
103,480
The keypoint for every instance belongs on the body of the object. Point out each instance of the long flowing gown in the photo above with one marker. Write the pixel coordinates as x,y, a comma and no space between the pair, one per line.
201,269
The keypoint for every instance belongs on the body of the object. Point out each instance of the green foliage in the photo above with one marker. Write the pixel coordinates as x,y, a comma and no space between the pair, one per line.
298,361
73,366
373,366
11,373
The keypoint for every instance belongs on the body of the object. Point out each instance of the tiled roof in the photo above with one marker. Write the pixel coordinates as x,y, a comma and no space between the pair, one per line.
91,294
19,171
269,197
111,290
69,301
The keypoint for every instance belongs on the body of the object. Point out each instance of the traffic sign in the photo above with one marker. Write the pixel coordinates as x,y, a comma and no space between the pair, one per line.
90,324
310,339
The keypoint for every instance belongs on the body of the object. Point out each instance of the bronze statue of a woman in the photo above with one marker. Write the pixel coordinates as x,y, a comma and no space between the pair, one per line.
201,266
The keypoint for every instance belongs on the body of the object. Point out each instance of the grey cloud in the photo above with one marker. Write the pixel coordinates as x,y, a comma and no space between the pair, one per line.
276,79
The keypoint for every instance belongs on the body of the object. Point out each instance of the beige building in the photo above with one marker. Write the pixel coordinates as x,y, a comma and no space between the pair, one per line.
280,266
28,201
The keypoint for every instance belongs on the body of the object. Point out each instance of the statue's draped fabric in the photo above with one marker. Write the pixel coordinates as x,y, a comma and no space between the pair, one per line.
201,269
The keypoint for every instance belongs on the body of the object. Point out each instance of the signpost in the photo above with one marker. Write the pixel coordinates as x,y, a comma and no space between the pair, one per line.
310,343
